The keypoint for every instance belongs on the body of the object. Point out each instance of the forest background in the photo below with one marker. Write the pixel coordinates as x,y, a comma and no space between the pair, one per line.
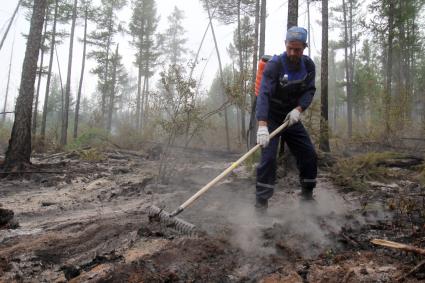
141,72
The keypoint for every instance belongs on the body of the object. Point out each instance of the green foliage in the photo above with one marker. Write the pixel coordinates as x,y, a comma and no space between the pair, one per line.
142,26
102,38
5,130
92,137
227,11
179,111
356,171
173,40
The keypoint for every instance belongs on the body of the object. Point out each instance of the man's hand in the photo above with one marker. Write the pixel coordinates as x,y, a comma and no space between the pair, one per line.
263,136
294,116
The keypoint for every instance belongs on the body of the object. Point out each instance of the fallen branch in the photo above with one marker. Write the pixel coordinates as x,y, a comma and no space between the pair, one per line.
349,240
413,270
398,246
7,112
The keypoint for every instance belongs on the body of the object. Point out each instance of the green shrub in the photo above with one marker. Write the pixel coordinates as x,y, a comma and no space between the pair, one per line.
5,131
354,172
92,137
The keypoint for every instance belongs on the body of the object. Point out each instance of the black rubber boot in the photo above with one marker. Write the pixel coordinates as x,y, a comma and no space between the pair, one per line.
307,190
261,205
306,194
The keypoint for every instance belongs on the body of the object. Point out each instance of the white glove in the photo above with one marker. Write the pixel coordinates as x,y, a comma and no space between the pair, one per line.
263,136
293,117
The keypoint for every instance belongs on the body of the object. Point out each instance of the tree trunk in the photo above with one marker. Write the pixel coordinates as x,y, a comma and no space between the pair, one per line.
324,124
10,24
83,64
145,95
195,62
347,74
139,92
60,117
18,153
351,65
308,27
49,73
34,116
64,132
112,95
7,84
292,13
333,87
226,123
263,28
388,84
253,120
142,105
105,83
146,110
241,75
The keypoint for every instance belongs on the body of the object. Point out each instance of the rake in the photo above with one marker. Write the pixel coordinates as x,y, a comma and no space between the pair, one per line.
183,226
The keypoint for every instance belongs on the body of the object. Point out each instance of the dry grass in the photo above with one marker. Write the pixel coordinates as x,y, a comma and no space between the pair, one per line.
354,172
91,154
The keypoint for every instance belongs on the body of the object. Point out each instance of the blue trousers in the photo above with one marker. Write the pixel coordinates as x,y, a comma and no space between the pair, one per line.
298,141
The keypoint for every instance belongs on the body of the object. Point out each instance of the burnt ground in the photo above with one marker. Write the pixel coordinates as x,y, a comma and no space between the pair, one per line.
86,221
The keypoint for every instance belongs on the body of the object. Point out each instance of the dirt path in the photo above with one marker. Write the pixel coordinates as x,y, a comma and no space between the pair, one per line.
89,225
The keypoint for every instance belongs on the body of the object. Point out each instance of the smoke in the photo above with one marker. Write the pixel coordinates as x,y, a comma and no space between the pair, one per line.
248,231
306,229
289,227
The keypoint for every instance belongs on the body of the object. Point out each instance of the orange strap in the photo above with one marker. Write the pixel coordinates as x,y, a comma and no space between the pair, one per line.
259,76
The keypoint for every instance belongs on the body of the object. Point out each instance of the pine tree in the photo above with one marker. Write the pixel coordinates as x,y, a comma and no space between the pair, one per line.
324,124
88,14
19,151
102,38
64,130
143,27
60,15
40,72
242,48
173,44
118,81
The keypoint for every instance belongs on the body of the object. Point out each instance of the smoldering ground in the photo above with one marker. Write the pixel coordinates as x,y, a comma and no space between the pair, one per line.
306,229
303,230
95,224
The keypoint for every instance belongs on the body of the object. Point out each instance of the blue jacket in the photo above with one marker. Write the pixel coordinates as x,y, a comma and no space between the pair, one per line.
275,69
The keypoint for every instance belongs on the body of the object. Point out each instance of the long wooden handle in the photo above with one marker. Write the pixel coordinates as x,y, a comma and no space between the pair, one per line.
399,246
229,169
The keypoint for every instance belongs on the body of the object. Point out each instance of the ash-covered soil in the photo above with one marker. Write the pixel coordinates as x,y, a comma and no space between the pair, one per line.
86,221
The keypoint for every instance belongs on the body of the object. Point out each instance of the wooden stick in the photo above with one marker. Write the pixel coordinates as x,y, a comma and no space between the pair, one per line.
398,246
229,169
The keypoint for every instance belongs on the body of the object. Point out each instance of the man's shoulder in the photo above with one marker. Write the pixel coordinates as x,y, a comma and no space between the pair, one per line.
273,65
276,59
308,62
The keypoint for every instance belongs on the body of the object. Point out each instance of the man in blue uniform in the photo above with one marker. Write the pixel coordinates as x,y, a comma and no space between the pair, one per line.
287,89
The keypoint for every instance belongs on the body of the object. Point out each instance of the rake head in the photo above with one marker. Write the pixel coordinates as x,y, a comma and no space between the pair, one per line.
158,214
